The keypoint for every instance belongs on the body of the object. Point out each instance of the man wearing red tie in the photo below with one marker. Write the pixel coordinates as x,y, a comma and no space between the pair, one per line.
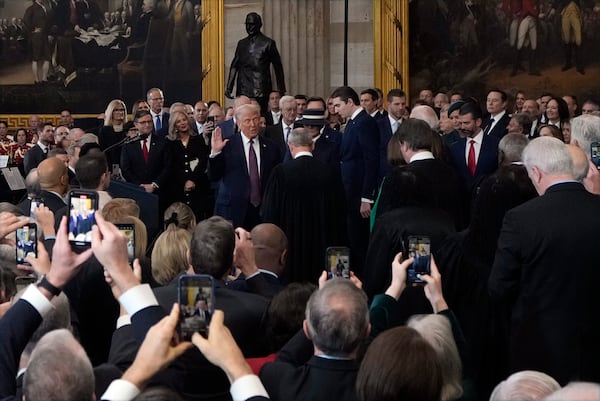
475,155
146,162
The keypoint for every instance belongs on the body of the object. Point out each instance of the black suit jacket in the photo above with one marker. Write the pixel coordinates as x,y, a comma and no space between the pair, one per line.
296,375
51,200
501,127
385,134
275,133
231,168
135,169
33,157
487,162
327,149
546,271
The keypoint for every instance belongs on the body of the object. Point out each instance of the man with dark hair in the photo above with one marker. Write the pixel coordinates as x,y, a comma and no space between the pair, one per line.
475,155
368,101
497,118
359,156
93,174
396,106
337,321
273,112
301,101
66,118
39,152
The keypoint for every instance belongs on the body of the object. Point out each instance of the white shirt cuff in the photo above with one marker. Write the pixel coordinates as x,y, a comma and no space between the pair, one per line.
120,390
246,387
137,298
256,273
367,200
124,320
34,296
213,155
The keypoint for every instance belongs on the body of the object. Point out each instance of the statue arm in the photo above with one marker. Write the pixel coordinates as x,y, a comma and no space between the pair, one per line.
277,67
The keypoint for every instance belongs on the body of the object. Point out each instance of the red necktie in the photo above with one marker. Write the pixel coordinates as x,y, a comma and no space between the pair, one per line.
145,149
472,162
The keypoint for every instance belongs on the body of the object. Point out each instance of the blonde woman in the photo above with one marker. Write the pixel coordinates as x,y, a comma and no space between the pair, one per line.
115,117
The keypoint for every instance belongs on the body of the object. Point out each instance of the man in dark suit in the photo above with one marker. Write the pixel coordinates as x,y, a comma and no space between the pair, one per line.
336,322
546,272
35,155
359,158
279,132
497,119
305,198
243,164
54,184
230,127
475,155
147,162
160,118
396,107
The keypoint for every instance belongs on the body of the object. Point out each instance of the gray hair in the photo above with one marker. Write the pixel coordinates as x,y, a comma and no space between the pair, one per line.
48,377
548,154
436,330
87,138
32,183
585,129
427,114
512,145
285,100
338,317
300,137
527,385
576,391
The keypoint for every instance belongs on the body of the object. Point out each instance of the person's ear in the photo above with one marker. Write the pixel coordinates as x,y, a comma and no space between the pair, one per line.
305,329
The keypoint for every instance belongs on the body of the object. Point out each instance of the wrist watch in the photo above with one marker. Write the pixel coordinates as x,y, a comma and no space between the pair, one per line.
44,283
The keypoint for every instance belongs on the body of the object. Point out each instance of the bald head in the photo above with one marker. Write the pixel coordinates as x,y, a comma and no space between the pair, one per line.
240,101
580,162
270,247
576,391
427,114
53,175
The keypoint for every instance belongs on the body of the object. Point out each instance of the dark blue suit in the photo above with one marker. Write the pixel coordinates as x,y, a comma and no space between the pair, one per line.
327,148
231,168
164,127
359,164
487,162
385,134
501,127
227,128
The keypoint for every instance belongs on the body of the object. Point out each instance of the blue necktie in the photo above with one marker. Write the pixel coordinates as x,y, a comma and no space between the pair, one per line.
158,123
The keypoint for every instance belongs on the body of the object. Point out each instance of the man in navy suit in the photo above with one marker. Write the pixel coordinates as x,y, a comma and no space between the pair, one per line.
326,148
243,164
150,172
359,163
230,127
396,106
496,122
475,155
160,118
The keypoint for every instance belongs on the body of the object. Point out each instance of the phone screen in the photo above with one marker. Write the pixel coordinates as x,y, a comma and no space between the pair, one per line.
129,231
26,243
419,248
35,203
82,206
338,262
595,153
196,305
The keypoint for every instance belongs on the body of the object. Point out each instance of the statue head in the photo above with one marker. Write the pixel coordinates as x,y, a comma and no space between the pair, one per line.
253,23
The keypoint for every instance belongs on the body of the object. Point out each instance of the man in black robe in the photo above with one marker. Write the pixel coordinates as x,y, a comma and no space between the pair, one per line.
305,198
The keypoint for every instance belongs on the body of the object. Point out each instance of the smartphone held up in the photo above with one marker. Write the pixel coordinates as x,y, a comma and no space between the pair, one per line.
196,305
419,248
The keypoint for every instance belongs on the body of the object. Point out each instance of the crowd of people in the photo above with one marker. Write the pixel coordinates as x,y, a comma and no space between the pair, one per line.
504,191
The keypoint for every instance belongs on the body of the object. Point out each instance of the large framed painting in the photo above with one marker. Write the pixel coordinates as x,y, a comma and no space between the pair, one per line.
535,46
80,54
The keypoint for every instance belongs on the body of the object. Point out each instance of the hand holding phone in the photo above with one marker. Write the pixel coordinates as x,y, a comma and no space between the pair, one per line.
196,305
419,248
129,231
82,208
338,262
26,243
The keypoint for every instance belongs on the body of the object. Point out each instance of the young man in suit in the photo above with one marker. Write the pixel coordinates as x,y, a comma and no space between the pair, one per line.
242,164
497,119
475,155
39,152
396,106
545,270
359,159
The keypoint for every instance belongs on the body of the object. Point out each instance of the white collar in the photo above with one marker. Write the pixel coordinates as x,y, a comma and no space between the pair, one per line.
356,112
422,155
303,153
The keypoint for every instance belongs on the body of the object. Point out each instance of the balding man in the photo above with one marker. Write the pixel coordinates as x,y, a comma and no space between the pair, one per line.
230,127
270,253
580,162
539,281
200,118
427,114
54,184
585,130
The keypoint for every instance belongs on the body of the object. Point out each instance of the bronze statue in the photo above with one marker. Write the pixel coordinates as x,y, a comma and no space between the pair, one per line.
253,57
